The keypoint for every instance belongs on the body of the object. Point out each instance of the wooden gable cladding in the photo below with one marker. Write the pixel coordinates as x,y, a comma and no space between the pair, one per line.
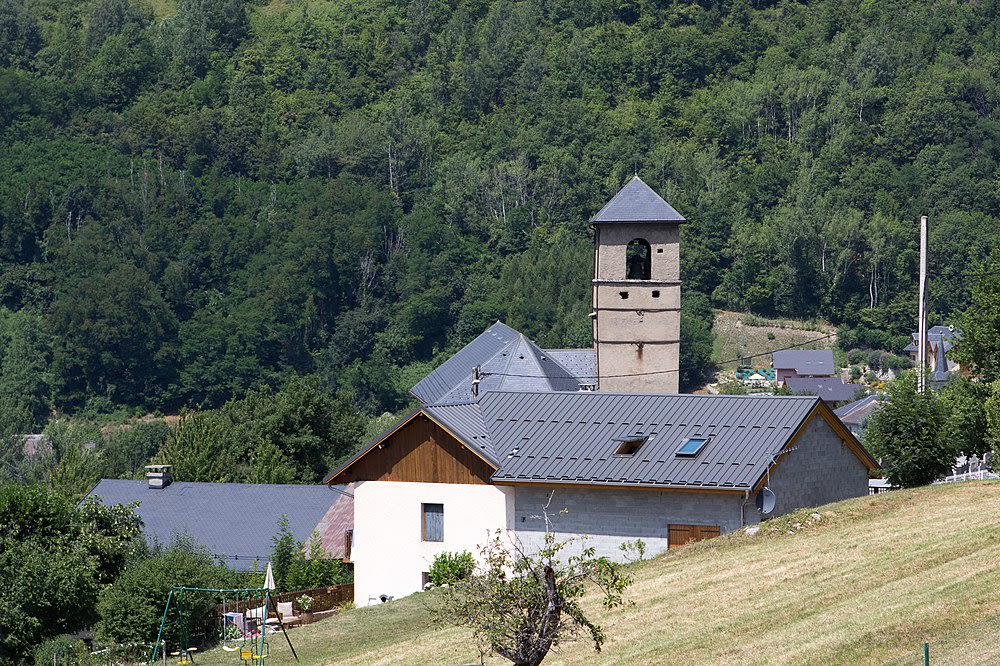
420,451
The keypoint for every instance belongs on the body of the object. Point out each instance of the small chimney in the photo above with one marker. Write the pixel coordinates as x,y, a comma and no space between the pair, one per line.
158,476
475,382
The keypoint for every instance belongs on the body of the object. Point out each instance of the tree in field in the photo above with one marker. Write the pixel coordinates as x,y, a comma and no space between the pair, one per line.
907,435
520,605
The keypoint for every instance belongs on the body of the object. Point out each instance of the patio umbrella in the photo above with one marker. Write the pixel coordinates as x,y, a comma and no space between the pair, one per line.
269,578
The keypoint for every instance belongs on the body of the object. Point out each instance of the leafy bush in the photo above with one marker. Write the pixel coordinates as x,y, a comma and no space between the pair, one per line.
131,609
855,373
449,568
303,566
733,388
62,650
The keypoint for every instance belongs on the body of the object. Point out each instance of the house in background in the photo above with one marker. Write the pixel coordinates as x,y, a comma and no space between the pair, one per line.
940,340
831,389
802,363
507,428
855,415
234,522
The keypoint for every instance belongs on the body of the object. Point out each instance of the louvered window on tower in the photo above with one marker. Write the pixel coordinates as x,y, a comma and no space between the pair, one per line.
433,522
638,260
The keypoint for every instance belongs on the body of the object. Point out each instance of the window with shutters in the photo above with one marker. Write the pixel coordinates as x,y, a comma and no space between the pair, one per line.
433,524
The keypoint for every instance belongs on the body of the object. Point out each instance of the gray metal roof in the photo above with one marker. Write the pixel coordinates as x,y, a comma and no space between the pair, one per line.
233,521
515,364
637,202
858,411
465,421
830,389
572,437
805,361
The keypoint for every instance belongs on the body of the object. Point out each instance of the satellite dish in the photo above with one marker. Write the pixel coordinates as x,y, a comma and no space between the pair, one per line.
765,500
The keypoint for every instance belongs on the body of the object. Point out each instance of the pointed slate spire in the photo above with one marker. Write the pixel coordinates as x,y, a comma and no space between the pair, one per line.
637,202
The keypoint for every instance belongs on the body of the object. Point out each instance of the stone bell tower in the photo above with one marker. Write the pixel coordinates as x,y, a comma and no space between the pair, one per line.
637,292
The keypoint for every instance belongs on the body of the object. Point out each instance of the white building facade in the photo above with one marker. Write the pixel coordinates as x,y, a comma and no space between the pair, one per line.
402,526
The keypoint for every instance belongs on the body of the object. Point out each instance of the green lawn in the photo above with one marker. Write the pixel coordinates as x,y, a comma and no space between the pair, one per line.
867,583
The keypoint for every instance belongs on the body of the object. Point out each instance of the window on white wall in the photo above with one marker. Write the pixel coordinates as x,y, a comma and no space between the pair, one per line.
433,523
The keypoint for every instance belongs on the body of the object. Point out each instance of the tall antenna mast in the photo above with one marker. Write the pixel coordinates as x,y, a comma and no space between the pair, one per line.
922,315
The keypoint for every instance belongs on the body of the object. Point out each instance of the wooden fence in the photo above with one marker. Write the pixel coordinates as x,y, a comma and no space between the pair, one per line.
324,598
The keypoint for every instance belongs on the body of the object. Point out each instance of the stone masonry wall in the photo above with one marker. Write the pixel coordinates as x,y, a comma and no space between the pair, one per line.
610,516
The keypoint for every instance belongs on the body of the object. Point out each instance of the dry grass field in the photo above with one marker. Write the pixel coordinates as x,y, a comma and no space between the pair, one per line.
866,583
739,335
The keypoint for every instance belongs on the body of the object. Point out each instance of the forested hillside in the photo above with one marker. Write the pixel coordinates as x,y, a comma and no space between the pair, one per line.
201,195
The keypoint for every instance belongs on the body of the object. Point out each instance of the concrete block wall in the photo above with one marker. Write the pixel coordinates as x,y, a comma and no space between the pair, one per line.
611,516
820,470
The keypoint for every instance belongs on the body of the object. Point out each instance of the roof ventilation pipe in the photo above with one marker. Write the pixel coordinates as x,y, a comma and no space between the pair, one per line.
158,476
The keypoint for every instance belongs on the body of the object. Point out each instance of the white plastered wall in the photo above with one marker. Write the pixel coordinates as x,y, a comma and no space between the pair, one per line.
388,554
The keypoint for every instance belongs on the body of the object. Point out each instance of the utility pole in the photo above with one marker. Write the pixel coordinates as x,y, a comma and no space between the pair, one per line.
922,299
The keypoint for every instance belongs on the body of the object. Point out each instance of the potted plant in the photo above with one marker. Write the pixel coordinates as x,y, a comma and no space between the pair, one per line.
305,603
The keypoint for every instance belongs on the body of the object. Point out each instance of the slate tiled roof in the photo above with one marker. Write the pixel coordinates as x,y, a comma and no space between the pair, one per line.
233,521
941,340
805,361
830,389
637,202
857,412
507,360
456,369
581,363
936,334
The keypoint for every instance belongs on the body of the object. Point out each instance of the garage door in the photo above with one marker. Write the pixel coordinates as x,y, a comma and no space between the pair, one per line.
682,534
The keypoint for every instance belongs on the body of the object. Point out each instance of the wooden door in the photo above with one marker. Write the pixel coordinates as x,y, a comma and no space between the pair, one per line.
682,534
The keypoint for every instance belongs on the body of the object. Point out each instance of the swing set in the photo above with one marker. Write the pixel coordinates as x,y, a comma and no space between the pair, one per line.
243,626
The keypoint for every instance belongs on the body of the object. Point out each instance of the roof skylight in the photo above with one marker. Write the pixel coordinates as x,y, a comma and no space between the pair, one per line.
630,445
691,447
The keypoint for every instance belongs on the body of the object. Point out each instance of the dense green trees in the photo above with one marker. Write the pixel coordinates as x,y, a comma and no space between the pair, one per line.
215,196
295,435
54,560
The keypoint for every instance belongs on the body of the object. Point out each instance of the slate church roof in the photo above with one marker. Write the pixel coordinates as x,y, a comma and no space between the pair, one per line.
637,202
507,360
234,521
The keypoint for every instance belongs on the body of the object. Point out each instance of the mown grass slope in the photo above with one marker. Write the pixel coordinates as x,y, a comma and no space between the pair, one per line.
867,582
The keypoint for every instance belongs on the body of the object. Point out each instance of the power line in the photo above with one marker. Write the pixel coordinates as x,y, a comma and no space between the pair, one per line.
970,275
661,372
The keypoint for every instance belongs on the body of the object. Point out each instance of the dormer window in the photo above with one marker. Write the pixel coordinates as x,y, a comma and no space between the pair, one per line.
638,260
629,445
691,447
